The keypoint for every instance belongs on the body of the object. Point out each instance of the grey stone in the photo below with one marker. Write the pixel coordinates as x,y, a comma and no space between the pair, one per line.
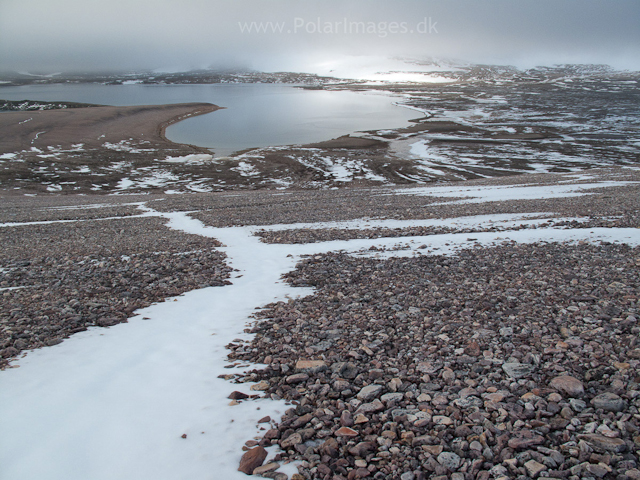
517,370
291,440
577,405
449,460
506,331
369,392
391,397
609,401
346,370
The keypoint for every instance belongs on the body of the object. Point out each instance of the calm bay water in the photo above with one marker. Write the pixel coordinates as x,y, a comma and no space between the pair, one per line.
256,115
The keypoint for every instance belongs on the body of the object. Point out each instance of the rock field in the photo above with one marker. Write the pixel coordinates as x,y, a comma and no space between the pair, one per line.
504,361
516,361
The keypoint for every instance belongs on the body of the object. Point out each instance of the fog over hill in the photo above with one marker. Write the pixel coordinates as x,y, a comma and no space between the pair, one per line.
41,36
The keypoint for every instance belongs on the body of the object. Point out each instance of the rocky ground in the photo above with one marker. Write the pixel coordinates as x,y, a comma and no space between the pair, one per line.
61,278
307,235
516,361
269,208
510,361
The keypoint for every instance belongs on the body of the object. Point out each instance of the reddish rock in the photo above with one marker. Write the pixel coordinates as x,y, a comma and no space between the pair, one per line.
238,395
324,470
473,349
330,447
297,378
361,449
519,443
362,473
310,366
272,433
600,443
569,385
252,459
346,432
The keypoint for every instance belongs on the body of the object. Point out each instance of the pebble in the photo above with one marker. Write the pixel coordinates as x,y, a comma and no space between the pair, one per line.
269,467
608,401
297,378
368,393
534,468
261,386
449,460
310,366
604,444
291,440
568,385
346,432
252,459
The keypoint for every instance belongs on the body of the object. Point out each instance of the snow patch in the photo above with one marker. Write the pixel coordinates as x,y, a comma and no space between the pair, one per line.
125,146
246,169
194,159
503,193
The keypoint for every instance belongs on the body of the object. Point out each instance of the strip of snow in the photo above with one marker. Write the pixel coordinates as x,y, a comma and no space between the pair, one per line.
406,77
474,221
124,184
193,159
449,244
48,222
513,192
114,403
93,205
410,107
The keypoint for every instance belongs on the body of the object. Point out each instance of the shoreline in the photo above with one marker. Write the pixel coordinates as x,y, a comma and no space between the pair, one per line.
162,127
95,126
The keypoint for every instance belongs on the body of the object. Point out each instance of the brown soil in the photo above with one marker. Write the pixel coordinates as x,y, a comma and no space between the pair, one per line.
347,141
93,126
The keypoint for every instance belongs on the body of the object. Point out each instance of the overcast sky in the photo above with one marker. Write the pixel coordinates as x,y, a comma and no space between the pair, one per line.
76,35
